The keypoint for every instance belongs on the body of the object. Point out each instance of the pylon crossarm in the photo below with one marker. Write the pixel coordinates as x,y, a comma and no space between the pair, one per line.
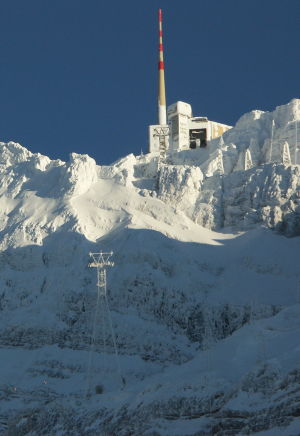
101,260
100,264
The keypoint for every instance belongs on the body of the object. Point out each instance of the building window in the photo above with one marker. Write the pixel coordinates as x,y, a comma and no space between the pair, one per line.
198,138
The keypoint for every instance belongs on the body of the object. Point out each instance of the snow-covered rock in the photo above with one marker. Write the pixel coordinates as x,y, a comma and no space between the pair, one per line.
180,186
204,296
80,174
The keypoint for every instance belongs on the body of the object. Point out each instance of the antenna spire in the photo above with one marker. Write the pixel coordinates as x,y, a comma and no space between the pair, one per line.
162,109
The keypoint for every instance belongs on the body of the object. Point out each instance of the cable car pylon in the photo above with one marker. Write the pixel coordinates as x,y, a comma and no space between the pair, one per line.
102,316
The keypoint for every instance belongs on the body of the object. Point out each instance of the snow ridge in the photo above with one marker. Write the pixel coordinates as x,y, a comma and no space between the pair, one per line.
204,297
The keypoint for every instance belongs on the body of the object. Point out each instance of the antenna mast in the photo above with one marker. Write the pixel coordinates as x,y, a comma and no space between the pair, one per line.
162,131
162,108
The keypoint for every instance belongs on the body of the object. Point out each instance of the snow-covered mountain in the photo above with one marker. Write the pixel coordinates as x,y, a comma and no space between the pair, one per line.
204,295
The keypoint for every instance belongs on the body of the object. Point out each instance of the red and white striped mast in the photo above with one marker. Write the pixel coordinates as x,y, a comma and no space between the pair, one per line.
162,109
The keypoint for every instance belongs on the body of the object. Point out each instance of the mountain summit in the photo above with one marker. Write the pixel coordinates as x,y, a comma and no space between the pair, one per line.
204,296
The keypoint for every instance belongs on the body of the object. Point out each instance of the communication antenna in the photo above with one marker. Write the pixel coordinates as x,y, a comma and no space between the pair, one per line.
101,261
162,107
162,131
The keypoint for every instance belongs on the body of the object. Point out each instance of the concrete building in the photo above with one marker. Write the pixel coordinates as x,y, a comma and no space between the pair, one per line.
184,131
188,132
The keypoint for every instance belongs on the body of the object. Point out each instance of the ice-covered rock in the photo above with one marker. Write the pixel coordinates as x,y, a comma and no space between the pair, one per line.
80,174
12,153
206,323
264,133
180,186
122,171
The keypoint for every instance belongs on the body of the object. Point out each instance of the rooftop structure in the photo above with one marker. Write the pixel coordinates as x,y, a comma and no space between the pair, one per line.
188,132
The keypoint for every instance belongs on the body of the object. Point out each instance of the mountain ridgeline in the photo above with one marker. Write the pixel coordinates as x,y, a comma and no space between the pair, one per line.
204,297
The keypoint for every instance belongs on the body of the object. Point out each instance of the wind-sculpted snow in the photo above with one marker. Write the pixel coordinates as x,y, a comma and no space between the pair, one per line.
218,187
269,195
80,175
204,294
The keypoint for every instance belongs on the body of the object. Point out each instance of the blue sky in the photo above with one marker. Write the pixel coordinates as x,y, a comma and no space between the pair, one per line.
81,75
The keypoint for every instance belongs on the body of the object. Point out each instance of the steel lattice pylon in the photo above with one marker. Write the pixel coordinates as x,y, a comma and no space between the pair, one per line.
102,316
163,133
101,261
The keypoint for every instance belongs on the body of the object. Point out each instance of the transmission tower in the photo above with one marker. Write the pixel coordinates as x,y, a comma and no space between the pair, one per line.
102,316
101,261
162,132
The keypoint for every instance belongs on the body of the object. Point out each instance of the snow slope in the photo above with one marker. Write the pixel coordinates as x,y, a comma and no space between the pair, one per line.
204,295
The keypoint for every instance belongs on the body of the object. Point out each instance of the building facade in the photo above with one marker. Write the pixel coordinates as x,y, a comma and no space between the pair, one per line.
184,131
